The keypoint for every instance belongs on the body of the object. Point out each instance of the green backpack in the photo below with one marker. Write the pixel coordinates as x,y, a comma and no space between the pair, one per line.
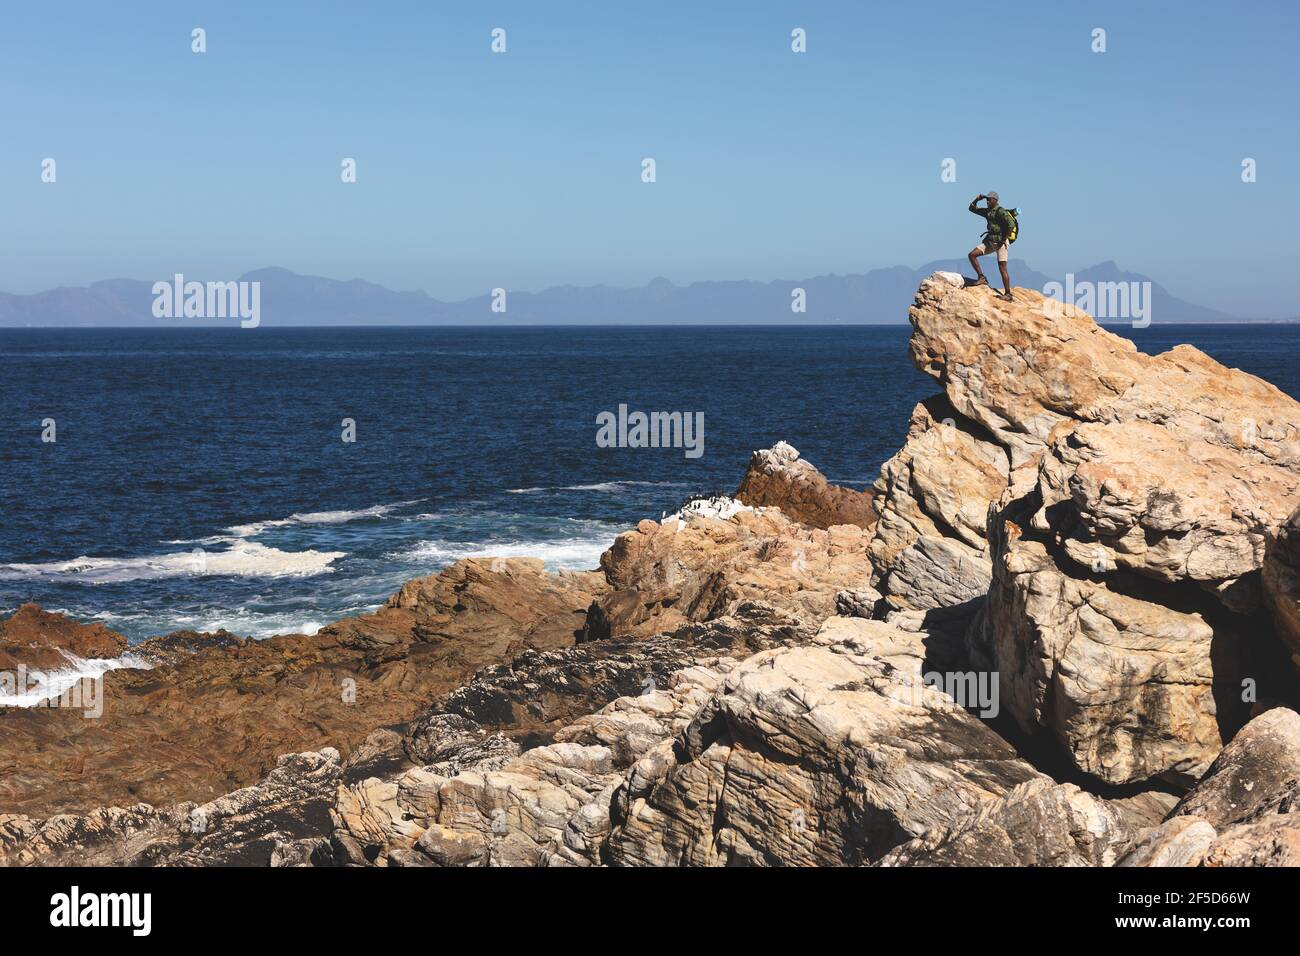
1014,232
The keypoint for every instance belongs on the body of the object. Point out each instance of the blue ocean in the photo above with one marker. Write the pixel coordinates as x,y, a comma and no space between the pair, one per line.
199,479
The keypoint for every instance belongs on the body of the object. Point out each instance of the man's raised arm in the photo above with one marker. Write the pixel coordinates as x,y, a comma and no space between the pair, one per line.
978,212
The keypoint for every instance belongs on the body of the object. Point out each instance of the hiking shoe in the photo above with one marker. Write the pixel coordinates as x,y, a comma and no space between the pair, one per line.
982,280
1006,297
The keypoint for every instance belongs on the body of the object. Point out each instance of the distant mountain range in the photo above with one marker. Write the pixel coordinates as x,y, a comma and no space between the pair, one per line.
880,296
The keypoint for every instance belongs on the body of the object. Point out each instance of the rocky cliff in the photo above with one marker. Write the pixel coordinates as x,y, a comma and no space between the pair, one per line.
1061,629
1127,543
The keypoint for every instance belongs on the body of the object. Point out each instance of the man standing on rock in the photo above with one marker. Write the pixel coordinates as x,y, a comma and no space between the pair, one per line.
996,239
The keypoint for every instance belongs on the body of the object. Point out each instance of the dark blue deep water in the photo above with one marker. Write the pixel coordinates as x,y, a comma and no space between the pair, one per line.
199,479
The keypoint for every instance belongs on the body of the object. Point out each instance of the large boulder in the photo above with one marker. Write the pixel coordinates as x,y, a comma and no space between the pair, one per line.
1139,496
777,477
929,548
1039,823
1256,776
699,565
824,754
1125,686
1245,811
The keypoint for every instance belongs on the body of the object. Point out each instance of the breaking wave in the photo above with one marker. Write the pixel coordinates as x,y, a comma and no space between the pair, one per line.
574,554
241,559
609,487
316,518
39,686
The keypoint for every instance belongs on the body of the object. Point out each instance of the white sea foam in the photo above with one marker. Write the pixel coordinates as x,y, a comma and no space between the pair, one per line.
315,518
53,683
570,553
241,559
260,624
561,543
249,621
605,486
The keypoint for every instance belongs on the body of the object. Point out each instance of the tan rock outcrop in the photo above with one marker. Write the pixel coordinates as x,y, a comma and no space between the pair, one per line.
1134,484
548,806
247,827
1170,465
933,496
687,570
817,755
1039,823
507,604
1125,686
608,701
778,477
1138,496
1256,776
1023,369
1243,812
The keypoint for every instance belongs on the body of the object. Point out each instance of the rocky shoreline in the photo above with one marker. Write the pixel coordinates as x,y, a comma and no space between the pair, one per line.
1063,628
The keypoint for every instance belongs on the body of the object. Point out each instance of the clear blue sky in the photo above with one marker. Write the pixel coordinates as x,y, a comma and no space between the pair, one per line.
522,170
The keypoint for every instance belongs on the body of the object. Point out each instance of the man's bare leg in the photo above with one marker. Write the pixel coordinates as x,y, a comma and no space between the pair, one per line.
1006,279
979,273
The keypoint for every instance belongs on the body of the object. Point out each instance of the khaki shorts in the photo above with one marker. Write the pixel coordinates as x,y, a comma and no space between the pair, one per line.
987,246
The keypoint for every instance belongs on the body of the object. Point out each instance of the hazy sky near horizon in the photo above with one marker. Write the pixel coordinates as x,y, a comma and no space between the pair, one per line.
523,169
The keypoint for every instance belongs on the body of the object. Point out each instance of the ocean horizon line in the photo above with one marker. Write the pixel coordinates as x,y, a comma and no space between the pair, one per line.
199,327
